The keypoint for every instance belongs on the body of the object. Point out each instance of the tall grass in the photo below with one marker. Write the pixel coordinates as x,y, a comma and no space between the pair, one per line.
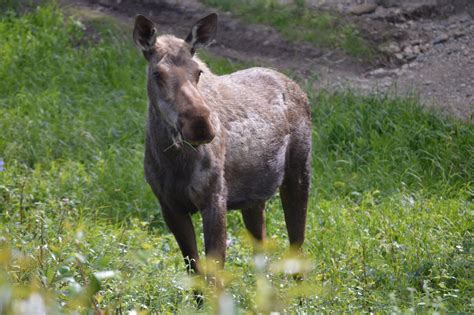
390,216
389,145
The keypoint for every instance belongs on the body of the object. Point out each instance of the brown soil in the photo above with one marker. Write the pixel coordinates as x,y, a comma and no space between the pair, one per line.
427,48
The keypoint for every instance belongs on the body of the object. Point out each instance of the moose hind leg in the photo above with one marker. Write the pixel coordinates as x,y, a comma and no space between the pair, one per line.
294,193
254,220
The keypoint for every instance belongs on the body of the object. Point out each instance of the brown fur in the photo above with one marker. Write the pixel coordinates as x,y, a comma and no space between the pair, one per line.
221,142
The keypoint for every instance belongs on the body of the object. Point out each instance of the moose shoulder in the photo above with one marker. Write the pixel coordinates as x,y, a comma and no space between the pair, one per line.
221,142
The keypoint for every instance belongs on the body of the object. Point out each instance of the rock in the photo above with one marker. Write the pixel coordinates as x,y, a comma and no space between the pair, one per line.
425,47
362,9
392,15
399,56
389,3
109,2
410,57
408,50
441,38
402,18
458,34
416,49
453,26
386,84
428,27
390,47
399,72
381,13
379,73
415,41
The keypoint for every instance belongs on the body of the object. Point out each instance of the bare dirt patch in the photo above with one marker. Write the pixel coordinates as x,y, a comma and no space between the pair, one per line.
427,46
430,44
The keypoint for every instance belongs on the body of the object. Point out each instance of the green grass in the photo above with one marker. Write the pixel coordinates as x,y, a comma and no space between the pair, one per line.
390,216
298,23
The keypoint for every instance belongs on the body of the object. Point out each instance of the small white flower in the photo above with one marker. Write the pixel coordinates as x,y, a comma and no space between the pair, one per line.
260,262
101,275
34,305
226,304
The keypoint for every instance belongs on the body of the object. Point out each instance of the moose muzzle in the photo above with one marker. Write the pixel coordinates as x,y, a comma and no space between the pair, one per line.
196,130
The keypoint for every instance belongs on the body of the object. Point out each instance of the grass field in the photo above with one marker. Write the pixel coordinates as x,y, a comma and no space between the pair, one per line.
390,224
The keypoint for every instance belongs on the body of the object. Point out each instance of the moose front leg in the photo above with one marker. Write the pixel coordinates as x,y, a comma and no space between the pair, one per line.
214,225
181,226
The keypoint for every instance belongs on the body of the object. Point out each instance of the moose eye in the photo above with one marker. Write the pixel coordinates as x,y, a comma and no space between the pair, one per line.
198,75
158,77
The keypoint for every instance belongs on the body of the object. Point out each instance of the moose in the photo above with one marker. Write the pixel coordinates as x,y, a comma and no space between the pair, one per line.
215,143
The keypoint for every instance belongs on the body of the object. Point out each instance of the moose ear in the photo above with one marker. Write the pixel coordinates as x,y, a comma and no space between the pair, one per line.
144,34
203,32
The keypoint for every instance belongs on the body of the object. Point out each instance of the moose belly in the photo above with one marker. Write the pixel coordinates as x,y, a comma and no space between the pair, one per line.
254,169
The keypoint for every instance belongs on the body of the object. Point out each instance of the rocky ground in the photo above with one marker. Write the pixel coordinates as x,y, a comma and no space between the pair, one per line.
431,48
426,46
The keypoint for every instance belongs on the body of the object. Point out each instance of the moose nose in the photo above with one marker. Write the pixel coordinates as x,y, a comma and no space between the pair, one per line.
203,131
197,130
